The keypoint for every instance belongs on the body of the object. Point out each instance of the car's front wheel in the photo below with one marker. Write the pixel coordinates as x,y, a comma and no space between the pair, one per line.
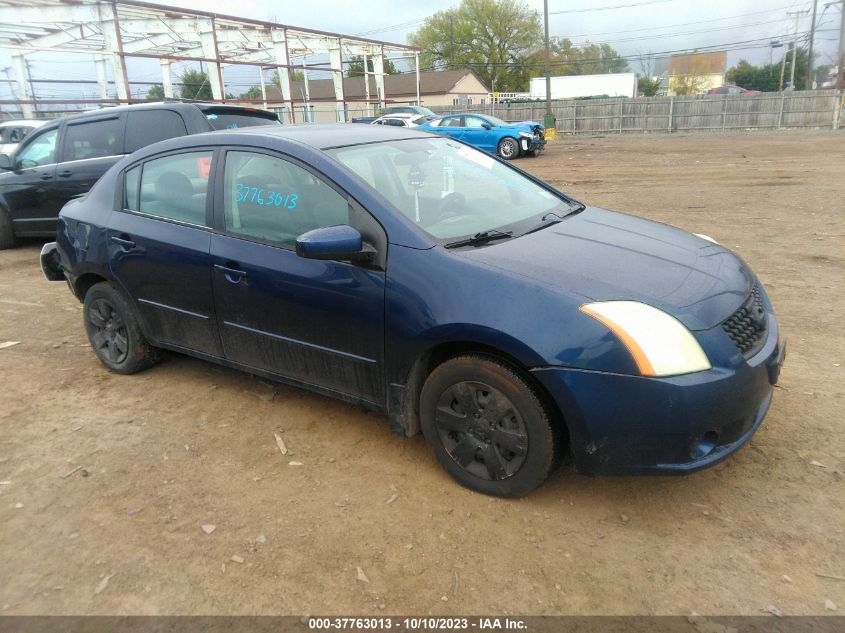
488,427
114,331
508,148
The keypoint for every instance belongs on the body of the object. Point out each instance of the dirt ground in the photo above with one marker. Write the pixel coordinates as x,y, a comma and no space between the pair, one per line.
188,444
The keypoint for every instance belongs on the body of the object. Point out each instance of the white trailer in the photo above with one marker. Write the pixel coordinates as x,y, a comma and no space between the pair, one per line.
572,86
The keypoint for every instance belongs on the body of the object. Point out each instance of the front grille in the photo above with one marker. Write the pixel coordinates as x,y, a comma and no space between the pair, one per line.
747,326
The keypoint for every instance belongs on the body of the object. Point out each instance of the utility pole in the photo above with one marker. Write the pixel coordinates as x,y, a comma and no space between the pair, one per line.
549,115
840,76
783,67
797,15
811,79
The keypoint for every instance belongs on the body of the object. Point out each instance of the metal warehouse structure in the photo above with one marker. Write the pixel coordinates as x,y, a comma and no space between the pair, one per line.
113,31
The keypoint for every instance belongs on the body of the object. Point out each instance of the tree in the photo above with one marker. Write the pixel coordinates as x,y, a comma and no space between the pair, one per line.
156,93
766,78
195,85
356,68
494,38
694,82
253,93
568,59
295,75
648,86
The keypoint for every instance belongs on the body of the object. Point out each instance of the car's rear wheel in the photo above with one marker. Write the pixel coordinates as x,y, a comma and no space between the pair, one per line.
508,148
7,234
114,331
488,427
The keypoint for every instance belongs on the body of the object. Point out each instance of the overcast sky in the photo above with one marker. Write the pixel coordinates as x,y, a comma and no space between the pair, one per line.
632,27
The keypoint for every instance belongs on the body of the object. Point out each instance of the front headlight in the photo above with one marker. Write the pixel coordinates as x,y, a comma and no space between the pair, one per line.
525,135
659,343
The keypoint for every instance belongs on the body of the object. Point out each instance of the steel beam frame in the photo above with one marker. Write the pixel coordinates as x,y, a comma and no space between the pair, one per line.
113,30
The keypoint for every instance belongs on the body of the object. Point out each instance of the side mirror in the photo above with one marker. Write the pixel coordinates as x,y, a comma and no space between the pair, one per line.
487,126
5,162
334,242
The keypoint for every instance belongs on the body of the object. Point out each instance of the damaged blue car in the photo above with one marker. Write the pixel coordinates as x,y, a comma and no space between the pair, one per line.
491,134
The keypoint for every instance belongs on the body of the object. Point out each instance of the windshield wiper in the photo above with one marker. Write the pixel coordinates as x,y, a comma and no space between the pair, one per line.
553,217
481,238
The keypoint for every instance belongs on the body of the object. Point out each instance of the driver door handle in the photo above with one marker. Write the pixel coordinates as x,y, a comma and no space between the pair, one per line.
125,243
46,176
67,173
233,275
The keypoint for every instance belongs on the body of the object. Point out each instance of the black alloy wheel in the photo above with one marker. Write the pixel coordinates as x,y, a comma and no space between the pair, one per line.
488,426
114,331
108,331
481,430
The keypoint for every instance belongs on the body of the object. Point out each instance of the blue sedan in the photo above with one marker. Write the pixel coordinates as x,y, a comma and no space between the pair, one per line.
416,275
491,134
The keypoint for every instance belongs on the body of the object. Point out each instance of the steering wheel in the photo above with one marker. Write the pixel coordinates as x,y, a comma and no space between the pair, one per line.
450,205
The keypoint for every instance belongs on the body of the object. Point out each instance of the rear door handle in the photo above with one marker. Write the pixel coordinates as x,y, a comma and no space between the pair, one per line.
233,275
125,243
65,174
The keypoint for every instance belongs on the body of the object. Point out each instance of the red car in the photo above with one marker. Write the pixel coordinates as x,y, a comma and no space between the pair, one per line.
731,90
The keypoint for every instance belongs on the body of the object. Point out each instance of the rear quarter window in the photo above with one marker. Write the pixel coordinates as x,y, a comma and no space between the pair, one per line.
145,127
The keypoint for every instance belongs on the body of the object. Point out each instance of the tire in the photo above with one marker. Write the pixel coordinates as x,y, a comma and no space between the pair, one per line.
7,234
114,332
508,148
487,427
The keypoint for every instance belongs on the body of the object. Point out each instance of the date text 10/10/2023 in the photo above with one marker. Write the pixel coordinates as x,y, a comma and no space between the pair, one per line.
258,195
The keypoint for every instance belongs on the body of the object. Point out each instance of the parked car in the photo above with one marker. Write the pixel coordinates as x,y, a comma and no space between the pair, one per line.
64,158
400,120
409,109
416,275
14,131
488,133
731,90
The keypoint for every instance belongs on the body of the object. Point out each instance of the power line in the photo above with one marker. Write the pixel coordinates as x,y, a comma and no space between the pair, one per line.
610,8
683,33
668,26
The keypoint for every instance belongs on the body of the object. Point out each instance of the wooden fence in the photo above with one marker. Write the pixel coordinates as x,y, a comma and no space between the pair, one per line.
766,111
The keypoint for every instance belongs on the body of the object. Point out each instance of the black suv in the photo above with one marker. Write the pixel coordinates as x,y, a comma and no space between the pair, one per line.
64,158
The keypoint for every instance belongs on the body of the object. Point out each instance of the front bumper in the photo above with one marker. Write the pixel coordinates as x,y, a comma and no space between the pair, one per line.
622,424
534,144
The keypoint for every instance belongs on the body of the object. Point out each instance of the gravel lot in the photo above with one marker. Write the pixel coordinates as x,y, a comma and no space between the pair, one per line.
189,444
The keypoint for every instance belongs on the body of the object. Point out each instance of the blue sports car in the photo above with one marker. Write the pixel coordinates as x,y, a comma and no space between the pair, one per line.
416,275
488,133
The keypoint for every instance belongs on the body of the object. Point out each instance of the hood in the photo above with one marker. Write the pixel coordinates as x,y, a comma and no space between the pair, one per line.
603,255
528,126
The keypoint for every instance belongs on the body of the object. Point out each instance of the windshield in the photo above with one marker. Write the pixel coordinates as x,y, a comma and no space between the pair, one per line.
448,189
495,120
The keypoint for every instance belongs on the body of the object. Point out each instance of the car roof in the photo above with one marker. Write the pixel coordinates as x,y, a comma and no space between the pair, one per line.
164,105
29,122
319,136
401,115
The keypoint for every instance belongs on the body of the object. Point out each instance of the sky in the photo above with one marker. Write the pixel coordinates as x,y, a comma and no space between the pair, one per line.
632,27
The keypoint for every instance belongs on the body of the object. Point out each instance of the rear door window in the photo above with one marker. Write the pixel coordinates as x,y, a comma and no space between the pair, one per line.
93,139
228,119
145,127
173,187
